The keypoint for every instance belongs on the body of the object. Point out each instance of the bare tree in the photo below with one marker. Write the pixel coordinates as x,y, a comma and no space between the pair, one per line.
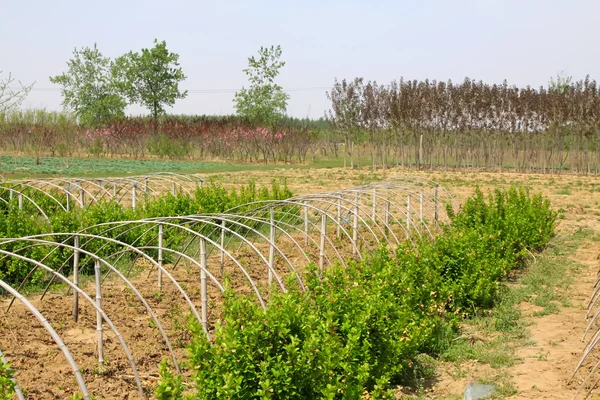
11,97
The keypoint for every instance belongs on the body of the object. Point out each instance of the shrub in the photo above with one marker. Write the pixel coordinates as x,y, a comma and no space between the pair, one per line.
359,329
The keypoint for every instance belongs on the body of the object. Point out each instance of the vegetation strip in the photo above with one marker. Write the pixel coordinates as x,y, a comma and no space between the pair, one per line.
26,221
358,331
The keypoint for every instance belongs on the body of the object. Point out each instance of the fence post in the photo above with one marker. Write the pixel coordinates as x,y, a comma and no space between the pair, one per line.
20,200
98,314
174,189
76,277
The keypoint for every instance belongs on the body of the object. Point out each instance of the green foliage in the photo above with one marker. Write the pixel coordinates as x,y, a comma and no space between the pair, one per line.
163,146
151,78
358,330
89,88
15,222
264,101
7,384
170,386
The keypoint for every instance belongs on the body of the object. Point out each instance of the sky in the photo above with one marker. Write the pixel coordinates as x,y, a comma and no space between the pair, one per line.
525,42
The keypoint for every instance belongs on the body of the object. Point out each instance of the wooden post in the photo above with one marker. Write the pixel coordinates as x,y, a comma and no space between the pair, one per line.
146,184
322,247
160,256
76,277
115,190
271,245
99,331
203,286
174,189
20,200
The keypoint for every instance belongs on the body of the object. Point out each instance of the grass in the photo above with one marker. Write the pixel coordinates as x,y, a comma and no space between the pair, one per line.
494,337
15,167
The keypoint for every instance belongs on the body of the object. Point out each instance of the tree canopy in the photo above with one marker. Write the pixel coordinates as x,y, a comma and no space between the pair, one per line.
89,89
264,100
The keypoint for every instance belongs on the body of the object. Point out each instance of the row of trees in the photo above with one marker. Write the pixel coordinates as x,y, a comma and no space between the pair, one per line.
429,122
97,89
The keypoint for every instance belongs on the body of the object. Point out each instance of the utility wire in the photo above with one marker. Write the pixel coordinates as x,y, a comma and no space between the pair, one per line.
198,91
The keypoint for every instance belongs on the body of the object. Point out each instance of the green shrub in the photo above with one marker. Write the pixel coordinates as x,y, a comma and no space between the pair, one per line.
18,222
364,327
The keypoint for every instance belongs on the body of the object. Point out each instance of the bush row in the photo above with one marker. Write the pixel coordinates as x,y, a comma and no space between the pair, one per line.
18,222
359,330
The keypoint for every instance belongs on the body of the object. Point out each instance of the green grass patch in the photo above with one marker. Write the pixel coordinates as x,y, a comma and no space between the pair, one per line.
494,336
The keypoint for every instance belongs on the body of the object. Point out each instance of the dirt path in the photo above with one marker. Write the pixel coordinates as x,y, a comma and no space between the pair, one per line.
547,364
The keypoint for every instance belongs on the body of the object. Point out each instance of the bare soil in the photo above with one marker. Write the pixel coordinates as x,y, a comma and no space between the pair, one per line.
43,372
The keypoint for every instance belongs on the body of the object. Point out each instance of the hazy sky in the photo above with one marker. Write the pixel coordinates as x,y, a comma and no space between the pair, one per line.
524,41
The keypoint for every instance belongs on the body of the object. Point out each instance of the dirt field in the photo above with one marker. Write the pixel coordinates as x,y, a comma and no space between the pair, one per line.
541,371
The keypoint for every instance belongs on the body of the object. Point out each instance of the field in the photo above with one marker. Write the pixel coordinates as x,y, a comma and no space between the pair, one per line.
532,357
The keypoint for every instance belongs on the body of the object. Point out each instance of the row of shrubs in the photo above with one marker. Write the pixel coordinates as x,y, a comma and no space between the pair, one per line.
18,222
358,331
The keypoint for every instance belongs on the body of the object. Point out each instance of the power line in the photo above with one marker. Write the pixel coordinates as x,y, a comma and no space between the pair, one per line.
200,91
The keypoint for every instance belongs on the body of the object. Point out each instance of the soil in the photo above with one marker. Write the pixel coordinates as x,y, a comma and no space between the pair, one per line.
43,372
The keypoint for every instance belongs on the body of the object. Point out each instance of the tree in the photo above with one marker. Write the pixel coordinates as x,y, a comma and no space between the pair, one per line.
89,88
346,101
264,101
11,98
151,78
562,82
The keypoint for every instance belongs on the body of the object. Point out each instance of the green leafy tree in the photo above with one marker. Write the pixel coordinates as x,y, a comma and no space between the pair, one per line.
151,78
12,98
89,88
264,101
